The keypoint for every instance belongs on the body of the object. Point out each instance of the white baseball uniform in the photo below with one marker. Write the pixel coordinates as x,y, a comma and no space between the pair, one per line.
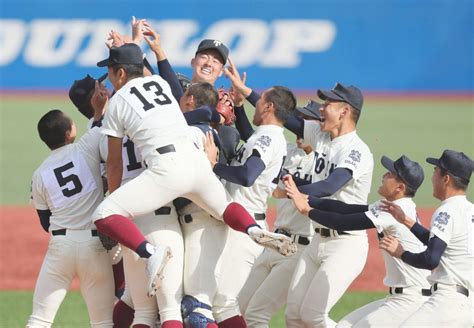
240,251
266,288
159,227
204,240
69,184
145,110
329,264
448,306
407,284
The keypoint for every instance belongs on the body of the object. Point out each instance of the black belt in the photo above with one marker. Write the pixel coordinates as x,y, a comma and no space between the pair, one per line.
302,240
166,149
460,289
165,210
62,232
399,290
324,232
259,216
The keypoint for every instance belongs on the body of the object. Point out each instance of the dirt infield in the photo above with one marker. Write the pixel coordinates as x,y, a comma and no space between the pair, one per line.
23,244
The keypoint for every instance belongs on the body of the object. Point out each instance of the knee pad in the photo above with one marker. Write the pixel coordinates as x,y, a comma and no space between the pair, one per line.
195,313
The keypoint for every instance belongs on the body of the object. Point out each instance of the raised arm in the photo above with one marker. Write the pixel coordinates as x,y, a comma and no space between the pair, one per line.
165,70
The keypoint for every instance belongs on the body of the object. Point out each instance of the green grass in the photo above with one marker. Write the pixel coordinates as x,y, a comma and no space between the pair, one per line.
418,128
16,307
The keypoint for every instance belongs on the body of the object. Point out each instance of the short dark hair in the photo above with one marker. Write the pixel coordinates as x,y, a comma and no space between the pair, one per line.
52,128
409,191
355,113
458,183
132,70
204,94
284,101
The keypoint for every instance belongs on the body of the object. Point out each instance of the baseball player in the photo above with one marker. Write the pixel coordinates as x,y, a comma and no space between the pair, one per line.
66,189
85,95
449,252
250,179
408,286
207,66
161,225
343,171
204,236
143,109
266,288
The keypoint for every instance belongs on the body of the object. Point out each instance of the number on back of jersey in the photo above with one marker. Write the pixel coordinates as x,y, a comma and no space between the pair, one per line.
68,181
146,97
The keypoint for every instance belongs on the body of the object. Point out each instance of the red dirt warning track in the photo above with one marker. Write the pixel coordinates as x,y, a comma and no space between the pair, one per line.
23,244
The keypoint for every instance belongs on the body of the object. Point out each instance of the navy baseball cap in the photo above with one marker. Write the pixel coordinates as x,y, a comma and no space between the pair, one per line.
214,44
350,94
456,163
79,92
129,53
311,109
410,172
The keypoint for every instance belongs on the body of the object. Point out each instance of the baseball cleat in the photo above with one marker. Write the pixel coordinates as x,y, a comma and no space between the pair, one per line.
154,267
276,241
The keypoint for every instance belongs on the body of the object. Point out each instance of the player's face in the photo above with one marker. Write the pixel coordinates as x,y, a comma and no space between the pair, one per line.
437,182
114,78
71,134
260,109
331,115
186,103
390,186
207,66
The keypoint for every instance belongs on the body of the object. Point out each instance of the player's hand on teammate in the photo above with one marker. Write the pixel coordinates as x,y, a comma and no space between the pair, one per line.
397,212
238,83
210,148
391,245
99,100
300,200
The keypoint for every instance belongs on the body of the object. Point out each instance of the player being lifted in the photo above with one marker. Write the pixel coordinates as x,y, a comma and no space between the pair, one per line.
144,109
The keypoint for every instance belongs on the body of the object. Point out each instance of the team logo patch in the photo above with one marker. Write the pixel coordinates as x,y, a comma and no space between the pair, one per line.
217,43
263,142
375,210
441,220
355,155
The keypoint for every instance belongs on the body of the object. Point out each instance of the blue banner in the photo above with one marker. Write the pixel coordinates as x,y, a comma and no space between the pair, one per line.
389,45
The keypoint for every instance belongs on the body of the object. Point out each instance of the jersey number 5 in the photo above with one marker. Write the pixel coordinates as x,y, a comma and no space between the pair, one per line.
64,180
161,99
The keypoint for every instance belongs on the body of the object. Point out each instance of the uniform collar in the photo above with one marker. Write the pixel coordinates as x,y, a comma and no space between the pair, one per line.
453,199
405,201
344,137
269,127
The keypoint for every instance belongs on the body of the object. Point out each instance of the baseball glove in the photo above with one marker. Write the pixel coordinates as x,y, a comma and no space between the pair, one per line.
225,107
107,242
